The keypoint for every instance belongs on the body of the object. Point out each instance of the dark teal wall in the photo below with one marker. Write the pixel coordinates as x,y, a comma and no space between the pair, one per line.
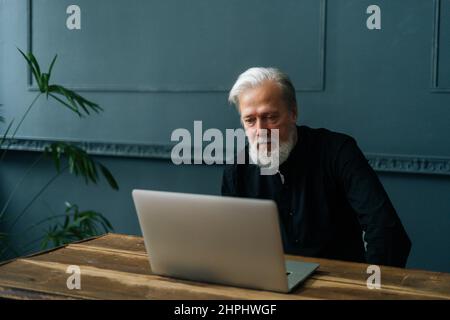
175,62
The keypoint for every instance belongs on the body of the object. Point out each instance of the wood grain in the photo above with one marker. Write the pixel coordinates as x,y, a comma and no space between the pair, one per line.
116,266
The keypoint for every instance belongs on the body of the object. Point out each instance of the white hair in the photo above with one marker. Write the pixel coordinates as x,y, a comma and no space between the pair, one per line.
256,76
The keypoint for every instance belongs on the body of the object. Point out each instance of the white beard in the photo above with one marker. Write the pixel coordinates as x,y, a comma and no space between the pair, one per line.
264,158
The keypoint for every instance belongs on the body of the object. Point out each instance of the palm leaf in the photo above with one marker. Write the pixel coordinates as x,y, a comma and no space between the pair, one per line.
77,225
109,177
74,109
34,66
79,163
77,102
51,66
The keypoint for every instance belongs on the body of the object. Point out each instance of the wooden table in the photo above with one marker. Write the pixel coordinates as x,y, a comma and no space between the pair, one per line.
115,266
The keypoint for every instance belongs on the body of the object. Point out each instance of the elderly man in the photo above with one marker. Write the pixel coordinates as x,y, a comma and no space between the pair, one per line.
327,194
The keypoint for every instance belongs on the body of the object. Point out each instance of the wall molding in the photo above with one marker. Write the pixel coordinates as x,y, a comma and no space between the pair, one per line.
413,164
435,50
131,150
184,88
410,164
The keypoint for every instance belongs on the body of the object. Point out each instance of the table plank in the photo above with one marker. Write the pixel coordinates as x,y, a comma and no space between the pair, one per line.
117,267
435,284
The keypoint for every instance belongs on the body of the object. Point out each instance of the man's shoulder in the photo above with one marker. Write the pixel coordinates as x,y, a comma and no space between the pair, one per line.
325,138
331,147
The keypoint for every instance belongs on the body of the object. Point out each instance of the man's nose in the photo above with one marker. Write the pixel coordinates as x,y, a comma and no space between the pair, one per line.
262,129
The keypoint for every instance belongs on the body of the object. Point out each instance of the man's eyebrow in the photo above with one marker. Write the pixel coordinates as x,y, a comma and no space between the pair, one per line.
271,113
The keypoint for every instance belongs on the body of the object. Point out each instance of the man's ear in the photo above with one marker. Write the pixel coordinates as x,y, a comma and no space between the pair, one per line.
294,113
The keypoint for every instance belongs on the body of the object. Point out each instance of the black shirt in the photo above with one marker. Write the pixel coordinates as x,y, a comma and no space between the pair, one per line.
327,194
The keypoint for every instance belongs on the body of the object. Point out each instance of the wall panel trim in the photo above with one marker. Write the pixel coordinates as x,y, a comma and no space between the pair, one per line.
435,51
412,164
182,89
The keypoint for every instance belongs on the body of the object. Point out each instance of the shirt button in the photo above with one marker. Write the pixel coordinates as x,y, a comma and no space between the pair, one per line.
296,240
291,214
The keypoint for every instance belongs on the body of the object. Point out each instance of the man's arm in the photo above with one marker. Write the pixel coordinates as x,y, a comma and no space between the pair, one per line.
387,241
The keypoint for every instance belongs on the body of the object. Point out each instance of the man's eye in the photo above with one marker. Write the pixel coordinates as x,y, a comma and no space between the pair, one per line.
249,121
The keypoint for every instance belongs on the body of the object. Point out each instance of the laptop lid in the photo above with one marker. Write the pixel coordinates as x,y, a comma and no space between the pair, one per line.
225,240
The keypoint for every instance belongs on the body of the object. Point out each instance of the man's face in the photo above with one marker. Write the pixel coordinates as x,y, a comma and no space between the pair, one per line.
263,107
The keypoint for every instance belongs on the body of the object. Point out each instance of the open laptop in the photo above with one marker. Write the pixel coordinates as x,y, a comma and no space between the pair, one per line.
224,240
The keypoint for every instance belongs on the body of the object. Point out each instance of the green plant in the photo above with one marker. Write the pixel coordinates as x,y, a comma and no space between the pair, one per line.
65,156
77,224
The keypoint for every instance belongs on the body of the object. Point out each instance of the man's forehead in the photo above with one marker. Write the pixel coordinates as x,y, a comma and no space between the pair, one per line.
267,97
266,92
258,109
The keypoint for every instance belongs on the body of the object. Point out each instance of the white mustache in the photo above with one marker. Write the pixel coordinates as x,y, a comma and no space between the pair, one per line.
263,140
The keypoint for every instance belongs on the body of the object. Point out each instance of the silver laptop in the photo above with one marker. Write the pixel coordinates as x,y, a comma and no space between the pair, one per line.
224,240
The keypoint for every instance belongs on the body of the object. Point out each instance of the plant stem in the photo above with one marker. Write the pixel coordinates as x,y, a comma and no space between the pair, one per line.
11,195
37,196
18,126
8,246
26,246
45,220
